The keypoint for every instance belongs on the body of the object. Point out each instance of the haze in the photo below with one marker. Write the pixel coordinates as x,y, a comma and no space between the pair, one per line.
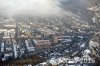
35,7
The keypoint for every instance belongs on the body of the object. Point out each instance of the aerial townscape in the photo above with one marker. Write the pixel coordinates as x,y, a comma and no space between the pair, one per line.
70,39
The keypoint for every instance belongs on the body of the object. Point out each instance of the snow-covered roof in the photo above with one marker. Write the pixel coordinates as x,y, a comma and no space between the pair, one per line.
87,51
71,61
53,61
76,58
44,63
83,45
93,44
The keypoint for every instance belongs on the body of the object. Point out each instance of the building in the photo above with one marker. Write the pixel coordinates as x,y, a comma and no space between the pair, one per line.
42,44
